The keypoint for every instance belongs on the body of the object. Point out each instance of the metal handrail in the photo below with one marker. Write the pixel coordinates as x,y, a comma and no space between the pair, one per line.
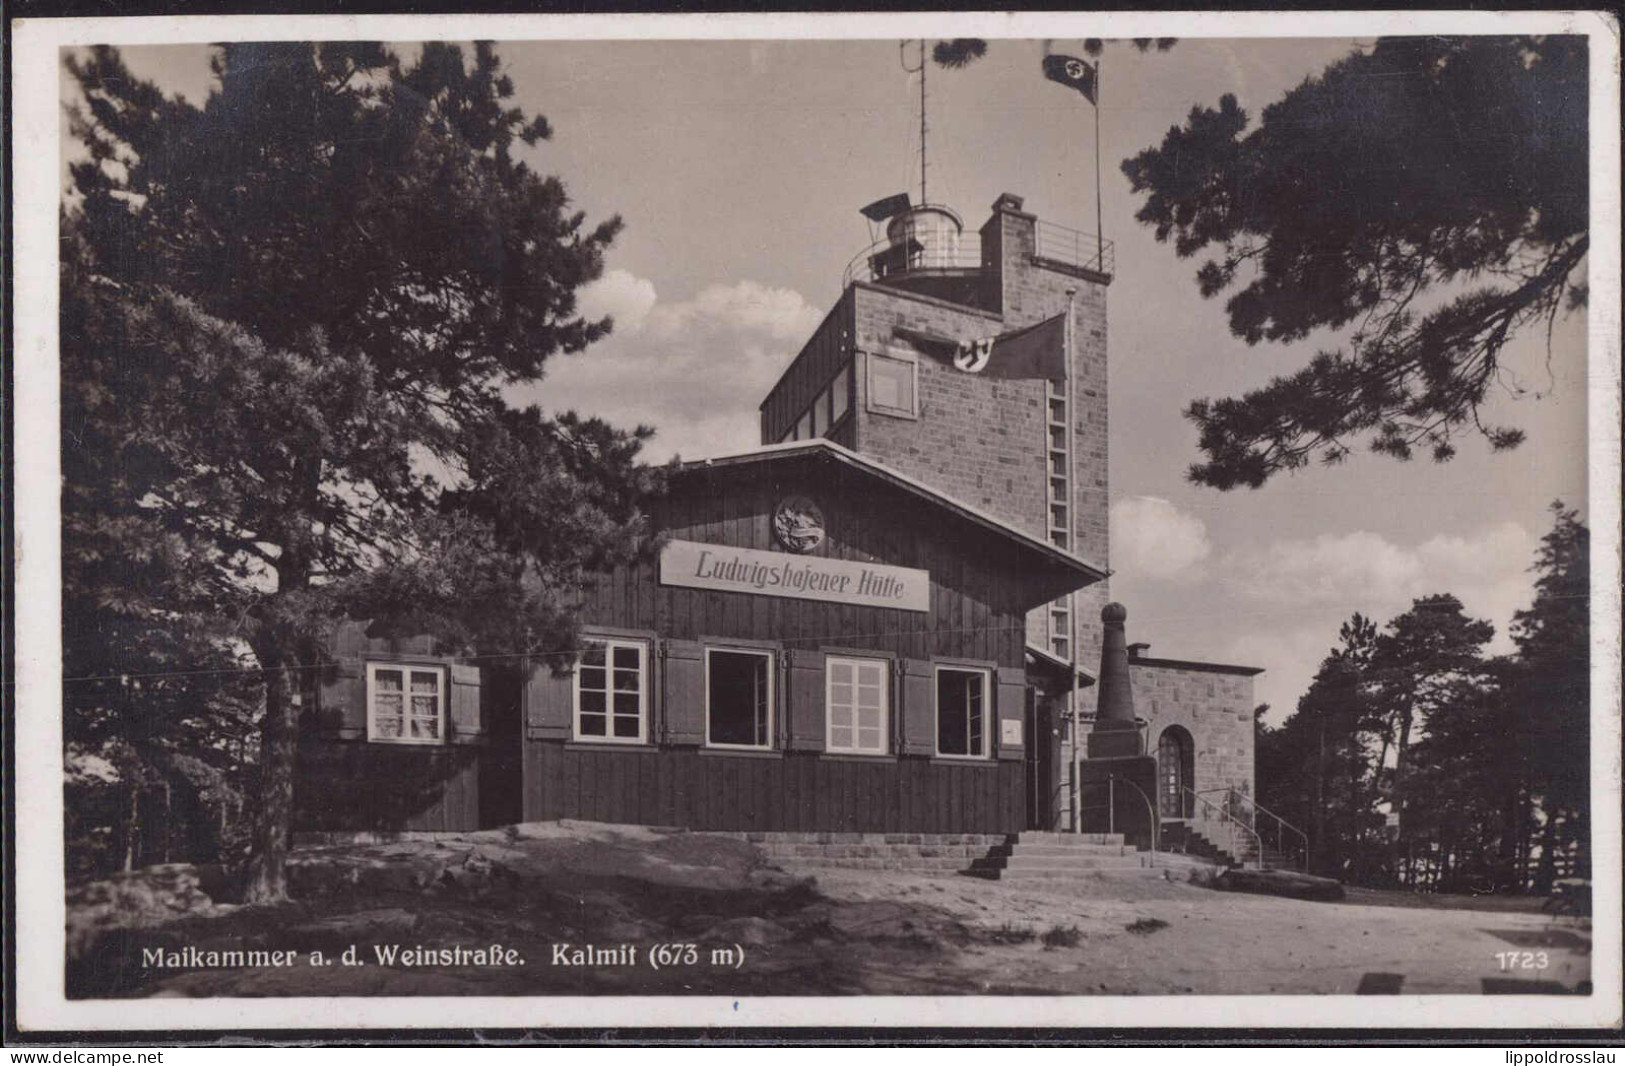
1282,826
1149,809
1235,823
1062,244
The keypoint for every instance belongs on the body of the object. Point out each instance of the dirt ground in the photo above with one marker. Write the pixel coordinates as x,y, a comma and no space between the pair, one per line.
690,913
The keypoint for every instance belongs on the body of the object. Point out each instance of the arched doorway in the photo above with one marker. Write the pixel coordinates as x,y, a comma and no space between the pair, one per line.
1176,773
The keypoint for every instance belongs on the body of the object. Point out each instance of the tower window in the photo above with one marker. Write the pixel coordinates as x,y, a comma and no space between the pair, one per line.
891,386
839,397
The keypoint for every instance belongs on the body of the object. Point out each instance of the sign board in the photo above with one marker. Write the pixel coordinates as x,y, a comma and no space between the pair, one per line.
798,577
1010,732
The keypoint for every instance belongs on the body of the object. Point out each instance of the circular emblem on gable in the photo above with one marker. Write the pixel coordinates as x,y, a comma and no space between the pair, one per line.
798,524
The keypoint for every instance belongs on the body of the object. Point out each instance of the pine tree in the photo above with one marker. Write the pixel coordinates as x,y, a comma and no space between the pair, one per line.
1552,688
289,318
1430,166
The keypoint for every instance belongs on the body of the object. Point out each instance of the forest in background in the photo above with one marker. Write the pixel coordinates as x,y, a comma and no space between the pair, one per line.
1417,760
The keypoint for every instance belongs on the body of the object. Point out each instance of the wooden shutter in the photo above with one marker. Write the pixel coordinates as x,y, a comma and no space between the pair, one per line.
549,703
1012,707
684,692
467,720
919,708
344,699
806,700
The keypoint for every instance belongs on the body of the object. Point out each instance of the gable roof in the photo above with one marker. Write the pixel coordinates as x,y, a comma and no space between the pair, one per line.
829,451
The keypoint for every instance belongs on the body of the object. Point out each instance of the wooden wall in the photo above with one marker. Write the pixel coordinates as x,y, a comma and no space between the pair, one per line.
353,786
795,792
980,588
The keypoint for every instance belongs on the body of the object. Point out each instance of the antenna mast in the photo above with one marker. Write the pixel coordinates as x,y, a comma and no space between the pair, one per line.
902,52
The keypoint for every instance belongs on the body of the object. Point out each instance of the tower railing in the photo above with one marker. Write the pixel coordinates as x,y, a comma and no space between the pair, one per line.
1051,242
888,258
1062,244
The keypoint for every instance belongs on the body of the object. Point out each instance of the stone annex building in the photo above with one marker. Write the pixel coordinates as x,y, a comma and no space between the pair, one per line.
887,618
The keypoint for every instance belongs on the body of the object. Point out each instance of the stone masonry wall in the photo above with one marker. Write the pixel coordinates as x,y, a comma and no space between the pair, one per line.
1215,708
979,440
984,441
1031,291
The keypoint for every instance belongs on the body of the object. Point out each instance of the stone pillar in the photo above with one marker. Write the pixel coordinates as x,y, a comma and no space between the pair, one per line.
1115,734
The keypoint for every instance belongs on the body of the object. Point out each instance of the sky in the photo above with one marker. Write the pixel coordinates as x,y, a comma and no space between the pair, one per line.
739,167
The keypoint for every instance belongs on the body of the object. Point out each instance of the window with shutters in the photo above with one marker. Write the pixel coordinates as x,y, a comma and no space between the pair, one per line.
406,703
738,698
611,697
962,712
857,705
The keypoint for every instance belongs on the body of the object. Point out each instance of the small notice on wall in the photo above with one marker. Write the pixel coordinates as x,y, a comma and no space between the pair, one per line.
800,577
1010,732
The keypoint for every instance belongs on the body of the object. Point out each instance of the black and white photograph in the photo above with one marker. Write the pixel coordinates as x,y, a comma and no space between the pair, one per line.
960,520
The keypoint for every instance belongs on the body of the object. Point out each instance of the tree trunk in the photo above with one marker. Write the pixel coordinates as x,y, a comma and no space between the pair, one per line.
267,875
132,829
1547,873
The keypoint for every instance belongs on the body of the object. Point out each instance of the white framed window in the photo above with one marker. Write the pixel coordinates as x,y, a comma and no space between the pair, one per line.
820,413
612,692
739,698
962,711
892,385
406,703
804,426
857,699
840,394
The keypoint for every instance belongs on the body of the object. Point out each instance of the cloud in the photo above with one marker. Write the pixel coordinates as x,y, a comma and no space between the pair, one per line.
1153,538
1291,595
696,370
1365,571
620,294
751,308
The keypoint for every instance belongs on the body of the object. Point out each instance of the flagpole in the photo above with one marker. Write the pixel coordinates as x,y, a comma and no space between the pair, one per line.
1071,545
1100,237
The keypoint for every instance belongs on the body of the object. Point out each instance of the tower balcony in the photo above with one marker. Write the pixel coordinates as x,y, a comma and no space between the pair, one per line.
927,251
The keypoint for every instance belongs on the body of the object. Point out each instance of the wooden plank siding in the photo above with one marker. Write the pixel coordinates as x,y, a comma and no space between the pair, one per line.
350,786
798,792
979,593
981,587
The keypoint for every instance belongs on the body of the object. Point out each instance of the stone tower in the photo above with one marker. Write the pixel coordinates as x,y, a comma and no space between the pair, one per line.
874,378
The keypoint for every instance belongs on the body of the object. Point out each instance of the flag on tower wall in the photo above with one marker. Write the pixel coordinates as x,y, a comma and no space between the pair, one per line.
1037,351
1074,73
